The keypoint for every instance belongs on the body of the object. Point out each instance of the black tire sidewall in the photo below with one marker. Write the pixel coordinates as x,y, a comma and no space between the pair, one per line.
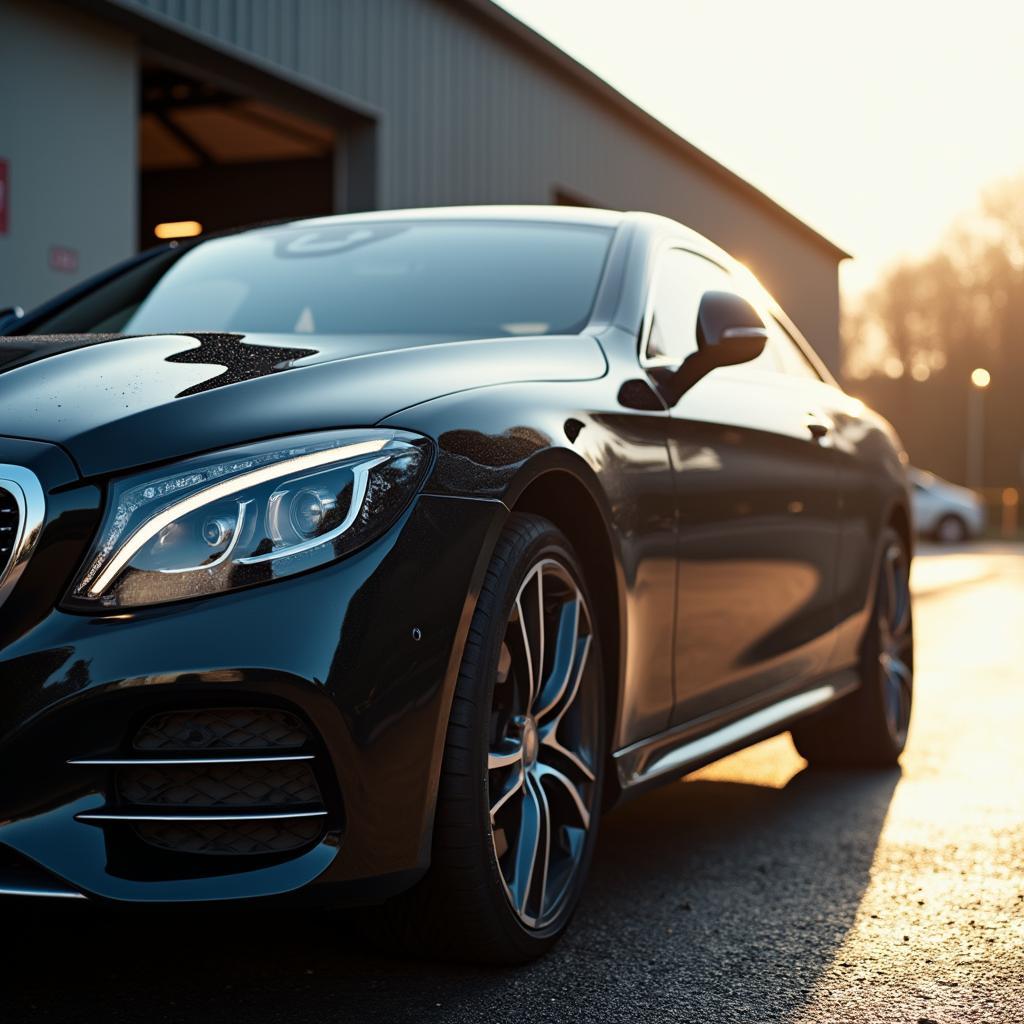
854,731
872,645
495,608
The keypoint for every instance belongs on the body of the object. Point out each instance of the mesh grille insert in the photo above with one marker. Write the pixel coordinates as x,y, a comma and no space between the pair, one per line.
251,779
8,527
222,729
226,785
238,838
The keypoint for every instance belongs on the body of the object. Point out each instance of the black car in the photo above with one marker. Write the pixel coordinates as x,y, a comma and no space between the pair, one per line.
370,559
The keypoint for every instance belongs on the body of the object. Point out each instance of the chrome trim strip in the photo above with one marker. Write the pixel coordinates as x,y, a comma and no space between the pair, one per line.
34,890
24,486
166,761
674,759
139,816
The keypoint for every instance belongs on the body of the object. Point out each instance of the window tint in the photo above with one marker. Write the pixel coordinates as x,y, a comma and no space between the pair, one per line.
788,354
681,278
432,280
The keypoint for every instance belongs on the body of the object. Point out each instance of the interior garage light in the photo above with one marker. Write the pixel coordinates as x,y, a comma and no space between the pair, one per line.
178,229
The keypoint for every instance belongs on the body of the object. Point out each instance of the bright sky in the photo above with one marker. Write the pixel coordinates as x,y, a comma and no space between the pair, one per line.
877,122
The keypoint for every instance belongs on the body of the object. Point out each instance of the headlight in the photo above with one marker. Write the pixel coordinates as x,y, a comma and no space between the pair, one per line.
248,515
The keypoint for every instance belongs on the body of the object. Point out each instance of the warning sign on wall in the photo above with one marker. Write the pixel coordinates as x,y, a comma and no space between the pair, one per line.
64,259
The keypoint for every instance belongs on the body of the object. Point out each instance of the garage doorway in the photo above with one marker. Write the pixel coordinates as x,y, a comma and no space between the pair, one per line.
210,159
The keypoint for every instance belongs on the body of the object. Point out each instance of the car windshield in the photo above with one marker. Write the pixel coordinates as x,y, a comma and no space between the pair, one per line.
432,280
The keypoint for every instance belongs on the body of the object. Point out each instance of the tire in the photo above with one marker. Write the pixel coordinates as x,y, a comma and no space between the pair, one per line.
951,529
869,727
477,901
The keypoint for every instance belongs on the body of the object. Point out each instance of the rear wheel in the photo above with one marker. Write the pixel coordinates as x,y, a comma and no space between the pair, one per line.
869,727
523,767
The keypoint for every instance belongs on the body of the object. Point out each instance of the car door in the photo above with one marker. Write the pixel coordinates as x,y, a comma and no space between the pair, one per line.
757,492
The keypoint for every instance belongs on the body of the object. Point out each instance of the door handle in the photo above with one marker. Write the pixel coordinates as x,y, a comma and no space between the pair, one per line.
819,428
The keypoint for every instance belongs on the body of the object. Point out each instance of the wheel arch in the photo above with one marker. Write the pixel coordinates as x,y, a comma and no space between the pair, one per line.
896,516
565,499
899,519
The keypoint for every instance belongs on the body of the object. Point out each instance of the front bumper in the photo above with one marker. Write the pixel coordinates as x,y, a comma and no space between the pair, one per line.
365,652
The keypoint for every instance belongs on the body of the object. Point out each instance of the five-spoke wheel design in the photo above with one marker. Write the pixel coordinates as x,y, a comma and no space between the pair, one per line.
543,743
895,641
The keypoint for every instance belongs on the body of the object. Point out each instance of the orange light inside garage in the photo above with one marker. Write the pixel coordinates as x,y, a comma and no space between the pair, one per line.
178,229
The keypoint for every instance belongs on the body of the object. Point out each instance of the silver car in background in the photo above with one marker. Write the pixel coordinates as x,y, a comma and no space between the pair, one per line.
944,511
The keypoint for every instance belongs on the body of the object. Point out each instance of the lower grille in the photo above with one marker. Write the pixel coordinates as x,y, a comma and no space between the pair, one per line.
240,838
234,781
10,520
248,784
222,729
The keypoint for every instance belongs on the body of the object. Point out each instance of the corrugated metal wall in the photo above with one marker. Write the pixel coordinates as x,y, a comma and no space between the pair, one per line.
71,134
467,117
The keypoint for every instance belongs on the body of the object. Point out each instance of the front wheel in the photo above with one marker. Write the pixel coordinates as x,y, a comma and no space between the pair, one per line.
520,787
869,727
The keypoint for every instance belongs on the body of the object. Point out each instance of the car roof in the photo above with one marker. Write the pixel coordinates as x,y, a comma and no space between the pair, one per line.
651,225
551,214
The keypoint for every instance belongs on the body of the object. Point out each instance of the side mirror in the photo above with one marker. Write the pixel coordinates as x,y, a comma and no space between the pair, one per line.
729,331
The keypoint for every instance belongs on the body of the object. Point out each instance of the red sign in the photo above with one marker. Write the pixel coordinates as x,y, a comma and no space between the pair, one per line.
5,196
63,258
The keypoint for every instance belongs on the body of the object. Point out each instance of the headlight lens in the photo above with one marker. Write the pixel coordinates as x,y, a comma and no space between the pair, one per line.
249,515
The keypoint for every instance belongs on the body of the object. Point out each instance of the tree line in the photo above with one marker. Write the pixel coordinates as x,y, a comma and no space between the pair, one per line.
914,338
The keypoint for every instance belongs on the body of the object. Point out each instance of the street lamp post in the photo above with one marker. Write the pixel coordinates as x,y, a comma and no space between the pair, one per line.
980,380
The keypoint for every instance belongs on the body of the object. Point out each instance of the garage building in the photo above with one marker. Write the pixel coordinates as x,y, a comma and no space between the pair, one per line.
120,116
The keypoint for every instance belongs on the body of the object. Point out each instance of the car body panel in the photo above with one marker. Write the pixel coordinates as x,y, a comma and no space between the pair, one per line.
132,401
379,698
583,429
741,553
758,542
874,493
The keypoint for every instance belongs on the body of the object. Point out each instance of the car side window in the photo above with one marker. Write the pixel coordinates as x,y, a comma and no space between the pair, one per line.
680,279
789,355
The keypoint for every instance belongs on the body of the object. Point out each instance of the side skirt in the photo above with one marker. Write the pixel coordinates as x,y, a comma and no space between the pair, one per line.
689,746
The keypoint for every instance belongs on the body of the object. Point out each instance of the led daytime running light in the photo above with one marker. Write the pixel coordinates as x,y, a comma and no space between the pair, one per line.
225,488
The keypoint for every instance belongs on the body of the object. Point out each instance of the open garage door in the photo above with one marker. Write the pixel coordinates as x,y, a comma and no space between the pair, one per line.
210,159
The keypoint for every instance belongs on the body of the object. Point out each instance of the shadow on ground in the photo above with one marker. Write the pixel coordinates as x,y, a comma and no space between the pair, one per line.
709,901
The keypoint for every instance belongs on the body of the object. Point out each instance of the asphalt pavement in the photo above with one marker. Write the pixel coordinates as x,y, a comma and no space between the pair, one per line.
755,890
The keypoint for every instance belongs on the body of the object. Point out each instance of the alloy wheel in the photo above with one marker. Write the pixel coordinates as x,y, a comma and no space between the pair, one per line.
543,744
896,641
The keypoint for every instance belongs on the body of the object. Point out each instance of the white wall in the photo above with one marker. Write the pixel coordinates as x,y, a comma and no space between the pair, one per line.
68,112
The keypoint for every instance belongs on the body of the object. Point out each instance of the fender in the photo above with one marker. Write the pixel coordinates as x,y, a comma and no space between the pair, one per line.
544,463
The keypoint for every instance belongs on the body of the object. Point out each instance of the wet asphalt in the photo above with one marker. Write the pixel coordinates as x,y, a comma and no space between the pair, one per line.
755,890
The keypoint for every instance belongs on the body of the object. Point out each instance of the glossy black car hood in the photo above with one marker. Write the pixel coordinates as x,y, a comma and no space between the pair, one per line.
115,402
